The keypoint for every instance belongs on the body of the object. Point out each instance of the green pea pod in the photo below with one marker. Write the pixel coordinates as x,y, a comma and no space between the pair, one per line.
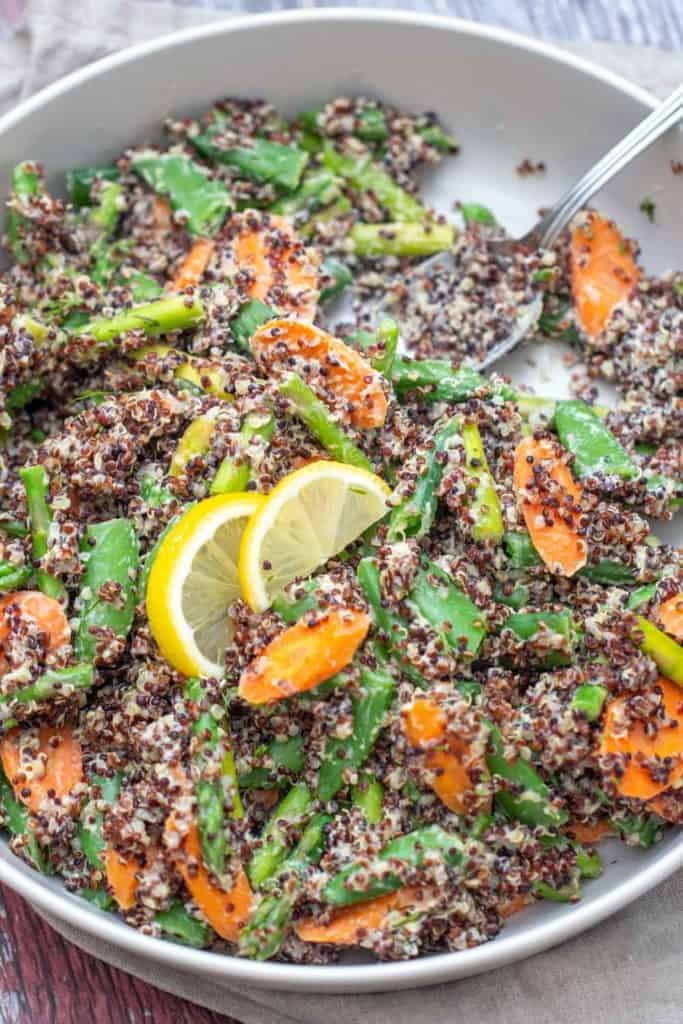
401,239
90,825
520,550
608,573
286,754
316,416
178,924
204,200
339,276
595,448
415,516
369,712
528,625
447,609
366,176
484,503
515,598
368,794
437,381
251,316
16,822
589,699
112,558
80,180
529,799
53,684
356,884
318,188
262,160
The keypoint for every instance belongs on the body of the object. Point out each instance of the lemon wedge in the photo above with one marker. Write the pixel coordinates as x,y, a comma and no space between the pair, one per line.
194,580
312,514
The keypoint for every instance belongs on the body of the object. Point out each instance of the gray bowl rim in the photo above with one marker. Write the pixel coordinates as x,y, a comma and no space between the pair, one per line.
427,970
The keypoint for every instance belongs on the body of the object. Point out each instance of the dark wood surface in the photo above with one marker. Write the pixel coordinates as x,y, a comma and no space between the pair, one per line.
43,978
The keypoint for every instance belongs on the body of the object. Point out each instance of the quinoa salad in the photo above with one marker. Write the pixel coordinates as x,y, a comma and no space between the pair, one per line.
312,637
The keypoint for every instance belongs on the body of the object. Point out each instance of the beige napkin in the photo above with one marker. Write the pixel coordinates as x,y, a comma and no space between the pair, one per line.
625,971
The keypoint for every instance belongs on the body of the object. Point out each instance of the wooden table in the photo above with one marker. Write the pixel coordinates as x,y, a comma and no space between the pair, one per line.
43,978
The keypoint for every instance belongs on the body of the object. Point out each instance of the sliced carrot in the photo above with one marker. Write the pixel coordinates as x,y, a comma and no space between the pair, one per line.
193,267
344,371
589,833
303,656
553,530
634,740
670,615
225,911
45,611
350,924
58,762
267,260
162,214
669,806
121,877
424,722
603,269
515,904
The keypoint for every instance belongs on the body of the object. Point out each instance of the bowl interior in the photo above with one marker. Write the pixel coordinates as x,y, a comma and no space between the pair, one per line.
505,99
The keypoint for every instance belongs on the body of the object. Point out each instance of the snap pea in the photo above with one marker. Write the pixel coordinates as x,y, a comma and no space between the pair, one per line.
475,213
203,200
528,799
594,446
484,503
609,573
339,277
286,754
16,821
14,577
90,824
387,339
177,923
274,845
437,381
389,624
112,553
520,550
13,528
61,682
252,315
369,710
262,160
80,180
589,699
318,188
527,626
368,794
641,595
665,652
514,596
447,609
356,884
640,829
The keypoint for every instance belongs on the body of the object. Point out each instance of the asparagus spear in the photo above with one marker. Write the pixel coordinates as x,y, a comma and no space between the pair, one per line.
351,752
202,199
34,479
484,504
234,476
414,518
315,414
358,883
274,847
318,188
112,559
401,239
175,313
210,792
589,700
366,176
264,932
54,683
439,382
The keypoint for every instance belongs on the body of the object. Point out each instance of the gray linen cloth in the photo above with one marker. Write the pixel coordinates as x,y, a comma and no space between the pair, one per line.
625,971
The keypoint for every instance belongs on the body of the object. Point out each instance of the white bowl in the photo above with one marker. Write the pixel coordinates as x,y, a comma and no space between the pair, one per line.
505,98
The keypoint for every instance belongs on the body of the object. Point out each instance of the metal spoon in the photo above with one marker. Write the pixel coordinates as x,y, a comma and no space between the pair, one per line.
548,229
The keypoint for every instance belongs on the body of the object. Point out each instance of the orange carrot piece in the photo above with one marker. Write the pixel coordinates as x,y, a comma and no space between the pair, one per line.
350,924
636,781
668,806
589,833
121,877
554,531
59,756
193,267
225,911
515,904
670,615
162,214
603,269
268,261
346,373
303,656
423,723
45,611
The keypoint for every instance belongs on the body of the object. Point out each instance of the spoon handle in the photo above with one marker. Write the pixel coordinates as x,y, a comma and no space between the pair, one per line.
665,116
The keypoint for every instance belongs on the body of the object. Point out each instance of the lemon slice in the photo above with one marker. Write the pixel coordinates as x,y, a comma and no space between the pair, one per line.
194,580
312,514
